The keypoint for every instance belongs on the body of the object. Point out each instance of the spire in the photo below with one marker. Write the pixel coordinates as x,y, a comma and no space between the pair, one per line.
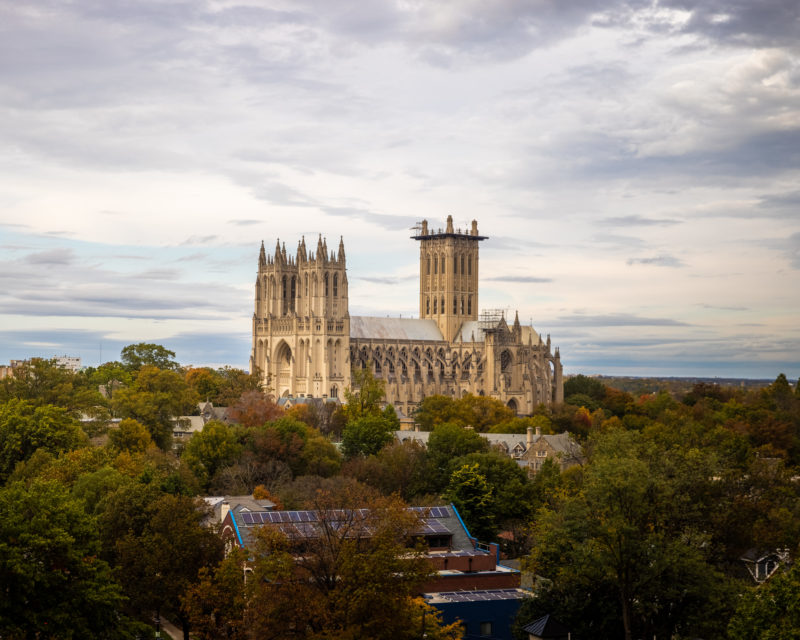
320,254
325,248
278,250
341,248
283,252
262,256
302,254
516,320
449,224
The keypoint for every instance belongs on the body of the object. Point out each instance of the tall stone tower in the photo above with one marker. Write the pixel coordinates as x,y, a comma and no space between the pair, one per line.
301,323
448,276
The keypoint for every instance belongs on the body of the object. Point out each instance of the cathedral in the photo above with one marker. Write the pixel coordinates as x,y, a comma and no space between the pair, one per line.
305,341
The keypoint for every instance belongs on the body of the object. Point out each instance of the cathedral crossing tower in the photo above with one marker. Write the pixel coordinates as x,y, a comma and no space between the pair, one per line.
448,276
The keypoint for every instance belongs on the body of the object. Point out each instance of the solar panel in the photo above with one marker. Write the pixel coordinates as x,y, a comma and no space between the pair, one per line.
247,518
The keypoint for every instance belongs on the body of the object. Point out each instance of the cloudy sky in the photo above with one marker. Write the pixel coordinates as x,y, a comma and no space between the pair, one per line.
636,166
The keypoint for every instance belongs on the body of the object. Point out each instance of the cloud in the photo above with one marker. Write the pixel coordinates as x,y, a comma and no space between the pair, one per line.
532,279
658,261
637,221
195,240
389,280
616,320
52,257
245,223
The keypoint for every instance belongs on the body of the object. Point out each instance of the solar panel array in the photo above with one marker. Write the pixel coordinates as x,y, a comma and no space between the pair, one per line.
476,596
254,518
432,512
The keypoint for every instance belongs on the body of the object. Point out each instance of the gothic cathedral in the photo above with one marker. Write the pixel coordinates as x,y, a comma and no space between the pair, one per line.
305,341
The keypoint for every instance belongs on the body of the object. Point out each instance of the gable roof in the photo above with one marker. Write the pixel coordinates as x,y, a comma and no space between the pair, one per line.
369,328
546,627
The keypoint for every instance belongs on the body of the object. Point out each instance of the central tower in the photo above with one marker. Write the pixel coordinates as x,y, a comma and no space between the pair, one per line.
448,276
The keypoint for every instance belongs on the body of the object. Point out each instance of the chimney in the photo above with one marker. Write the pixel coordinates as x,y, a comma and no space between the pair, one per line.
538,431
224,509
529,442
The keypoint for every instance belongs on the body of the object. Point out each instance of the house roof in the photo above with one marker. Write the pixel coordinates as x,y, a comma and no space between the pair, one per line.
561,442
439,520
477,596
369,328
546,627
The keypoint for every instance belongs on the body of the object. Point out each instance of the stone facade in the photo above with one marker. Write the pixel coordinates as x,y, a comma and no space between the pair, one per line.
305,341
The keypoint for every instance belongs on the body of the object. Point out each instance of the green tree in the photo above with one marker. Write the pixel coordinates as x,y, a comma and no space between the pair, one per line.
43,382
635,527
473,497
52,583
154,399
770,611
211,449
24,428
584,385
435,410
161,559
365,395
367,435
144,354
446,443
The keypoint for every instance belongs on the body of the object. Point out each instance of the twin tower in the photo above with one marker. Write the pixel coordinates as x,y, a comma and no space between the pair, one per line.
305,342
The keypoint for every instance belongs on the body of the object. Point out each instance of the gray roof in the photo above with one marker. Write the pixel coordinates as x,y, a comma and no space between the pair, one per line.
561,442
368,328
470,332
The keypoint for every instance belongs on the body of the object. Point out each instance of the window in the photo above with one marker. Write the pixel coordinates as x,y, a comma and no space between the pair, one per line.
455,305
469,306
486,629
434,305
442,264
455,264
462,265
469,266
541,454
442,307
326,285
435,264
428,266
462,305
427,305
335,285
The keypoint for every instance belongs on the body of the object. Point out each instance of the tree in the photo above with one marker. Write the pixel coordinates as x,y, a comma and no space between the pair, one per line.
154,399
635,528
473,497
160,559
770,611
581,384
43,382
211,449
131,435
24,428
216,605
144,354
446,443
435,410
254,409
355,578
367,435
52,583
365,396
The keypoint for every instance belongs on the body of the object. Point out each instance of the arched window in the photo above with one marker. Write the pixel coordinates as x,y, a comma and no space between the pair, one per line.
455,264
435,264
469,306
306,286
455,305
434,305
428,266
469,266
427,305
442,264
462,305
442,307
462,264
335,285
326,284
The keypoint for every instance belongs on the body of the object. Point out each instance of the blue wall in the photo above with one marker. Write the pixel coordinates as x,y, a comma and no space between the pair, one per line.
500,613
